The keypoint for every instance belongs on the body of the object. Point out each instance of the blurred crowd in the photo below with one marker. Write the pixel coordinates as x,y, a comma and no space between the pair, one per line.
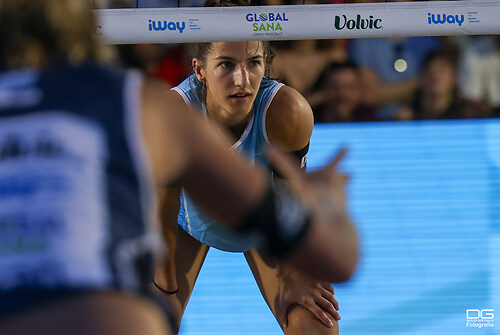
376,79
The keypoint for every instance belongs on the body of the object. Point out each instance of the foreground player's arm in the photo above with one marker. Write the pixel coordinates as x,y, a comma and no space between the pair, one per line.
185,150
289,124
169,204
334,233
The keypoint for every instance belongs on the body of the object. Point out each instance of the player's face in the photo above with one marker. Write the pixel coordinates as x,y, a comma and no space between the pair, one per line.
232,73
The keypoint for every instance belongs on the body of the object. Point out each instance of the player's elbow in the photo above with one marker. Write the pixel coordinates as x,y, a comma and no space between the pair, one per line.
326,258
344,270
343,254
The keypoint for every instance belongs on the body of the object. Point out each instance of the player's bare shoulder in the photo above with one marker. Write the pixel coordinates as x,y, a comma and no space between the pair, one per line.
289,120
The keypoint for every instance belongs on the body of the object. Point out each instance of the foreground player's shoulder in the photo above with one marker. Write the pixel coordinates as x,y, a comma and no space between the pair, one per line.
289,120
165,125
191,91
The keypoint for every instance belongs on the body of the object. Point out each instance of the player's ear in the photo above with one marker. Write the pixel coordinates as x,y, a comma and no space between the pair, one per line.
198,69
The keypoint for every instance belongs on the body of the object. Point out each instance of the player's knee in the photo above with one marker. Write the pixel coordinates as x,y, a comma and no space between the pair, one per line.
302,321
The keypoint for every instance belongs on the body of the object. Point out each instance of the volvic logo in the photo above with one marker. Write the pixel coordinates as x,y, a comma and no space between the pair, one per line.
267,21
359,23
164,25
443,18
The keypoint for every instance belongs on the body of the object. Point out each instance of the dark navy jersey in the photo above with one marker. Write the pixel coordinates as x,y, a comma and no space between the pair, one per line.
76,202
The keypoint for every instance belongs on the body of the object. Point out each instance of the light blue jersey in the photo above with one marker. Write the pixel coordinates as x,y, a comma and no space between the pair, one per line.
252,142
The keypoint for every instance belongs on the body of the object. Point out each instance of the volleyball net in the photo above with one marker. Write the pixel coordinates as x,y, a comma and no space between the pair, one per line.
295,22
424,195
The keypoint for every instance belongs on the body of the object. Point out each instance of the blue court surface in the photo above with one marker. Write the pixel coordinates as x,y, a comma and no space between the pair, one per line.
426,198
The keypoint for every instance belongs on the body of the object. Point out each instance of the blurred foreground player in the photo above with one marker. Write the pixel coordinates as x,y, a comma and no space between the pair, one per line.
76,171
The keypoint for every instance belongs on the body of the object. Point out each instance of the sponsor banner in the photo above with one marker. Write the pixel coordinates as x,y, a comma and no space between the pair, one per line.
176,25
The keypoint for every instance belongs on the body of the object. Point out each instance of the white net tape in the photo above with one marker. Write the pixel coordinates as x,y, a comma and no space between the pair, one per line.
179,25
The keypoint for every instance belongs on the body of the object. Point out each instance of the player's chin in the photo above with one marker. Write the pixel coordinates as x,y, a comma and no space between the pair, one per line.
241,109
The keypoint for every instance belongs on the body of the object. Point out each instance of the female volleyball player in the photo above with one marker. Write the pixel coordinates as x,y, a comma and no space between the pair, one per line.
250,110
76,242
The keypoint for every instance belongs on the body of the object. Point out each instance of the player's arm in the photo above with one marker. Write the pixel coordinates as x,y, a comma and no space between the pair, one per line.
289,123
168,206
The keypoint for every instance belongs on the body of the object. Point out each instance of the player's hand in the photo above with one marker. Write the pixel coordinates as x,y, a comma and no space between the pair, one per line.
328,181
296,288
319,189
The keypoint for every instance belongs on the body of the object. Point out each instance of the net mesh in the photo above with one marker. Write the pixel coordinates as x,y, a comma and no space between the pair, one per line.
424,194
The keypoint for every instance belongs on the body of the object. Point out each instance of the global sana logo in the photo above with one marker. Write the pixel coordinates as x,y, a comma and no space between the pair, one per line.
358,23
443,18
267,22
164,25
271,17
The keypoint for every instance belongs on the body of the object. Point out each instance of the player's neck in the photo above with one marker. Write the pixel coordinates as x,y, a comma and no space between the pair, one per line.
235,128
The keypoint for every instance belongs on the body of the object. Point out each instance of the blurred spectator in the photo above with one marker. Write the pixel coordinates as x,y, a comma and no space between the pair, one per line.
337,95
299,63
437,94
169,3
479,74
389,69
116,3
167,62
146,3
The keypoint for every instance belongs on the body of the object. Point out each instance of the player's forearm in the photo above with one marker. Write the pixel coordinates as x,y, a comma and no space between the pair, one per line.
169,203
329,251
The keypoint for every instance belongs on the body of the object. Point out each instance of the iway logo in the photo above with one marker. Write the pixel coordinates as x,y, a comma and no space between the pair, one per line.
164,25
359,23
443,18
272,21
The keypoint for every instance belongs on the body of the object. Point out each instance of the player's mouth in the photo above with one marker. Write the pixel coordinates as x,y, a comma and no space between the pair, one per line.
240,96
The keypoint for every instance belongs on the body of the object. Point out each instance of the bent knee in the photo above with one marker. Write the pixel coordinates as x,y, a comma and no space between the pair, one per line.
303,321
